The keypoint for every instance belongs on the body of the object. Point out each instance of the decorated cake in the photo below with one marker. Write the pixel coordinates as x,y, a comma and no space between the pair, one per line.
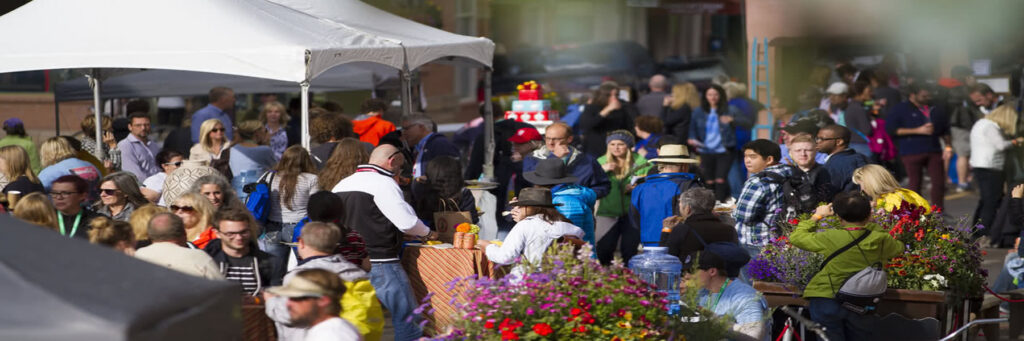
531,107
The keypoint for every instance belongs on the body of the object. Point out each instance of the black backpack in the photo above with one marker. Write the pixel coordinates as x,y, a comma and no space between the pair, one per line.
798,192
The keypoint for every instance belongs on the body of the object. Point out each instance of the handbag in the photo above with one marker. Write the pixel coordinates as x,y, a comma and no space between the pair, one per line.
448,218
863,291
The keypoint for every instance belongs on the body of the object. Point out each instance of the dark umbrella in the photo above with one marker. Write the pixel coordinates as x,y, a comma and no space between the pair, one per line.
58,288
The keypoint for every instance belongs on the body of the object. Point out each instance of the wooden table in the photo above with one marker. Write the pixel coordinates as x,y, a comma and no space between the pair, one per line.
430,270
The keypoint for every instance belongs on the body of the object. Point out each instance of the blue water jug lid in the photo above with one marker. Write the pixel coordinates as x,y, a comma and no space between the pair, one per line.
656,248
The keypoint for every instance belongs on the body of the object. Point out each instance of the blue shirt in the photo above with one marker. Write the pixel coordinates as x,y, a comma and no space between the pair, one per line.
739,301
259,159
139,157
907,115
712,134
208,112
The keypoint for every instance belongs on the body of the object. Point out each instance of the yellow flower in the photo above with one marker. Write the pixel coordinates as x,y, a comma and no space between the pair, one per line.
520,87
628,316
624,325
945,236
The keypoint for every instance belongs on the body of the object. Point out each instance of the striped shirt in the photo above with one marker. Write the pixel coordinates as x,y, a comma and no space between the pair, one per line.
243,271
305,186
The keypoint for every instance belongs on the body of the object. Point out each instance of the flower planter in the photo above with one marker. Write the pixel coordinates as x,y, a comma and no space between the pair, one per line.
914,304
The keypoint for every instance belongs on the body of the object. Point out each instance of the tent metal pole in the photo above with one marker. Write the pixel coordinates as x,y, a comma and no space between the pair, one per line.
305,114
488,128
56,109
406,92
94,83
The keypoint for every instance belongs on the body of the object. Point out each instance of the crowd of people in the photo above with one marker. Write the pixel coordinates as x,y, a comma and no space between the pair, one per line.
656,172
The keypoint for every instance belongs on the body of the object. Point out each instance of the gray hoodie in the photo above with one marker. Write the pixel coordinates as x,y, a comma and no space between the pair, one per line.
277,308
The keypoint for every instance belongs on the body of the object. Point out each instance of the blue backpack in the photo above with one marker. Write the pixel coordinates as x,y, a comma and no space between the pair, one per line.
258,201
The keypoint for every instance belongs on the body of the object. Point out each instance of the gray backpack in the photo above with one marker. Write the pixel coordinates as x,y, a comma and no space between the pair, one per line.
862,292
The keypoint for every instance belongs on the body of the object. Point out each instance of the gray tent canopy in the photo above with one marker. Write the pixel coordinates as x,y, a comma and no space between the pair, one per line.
58,288
161,83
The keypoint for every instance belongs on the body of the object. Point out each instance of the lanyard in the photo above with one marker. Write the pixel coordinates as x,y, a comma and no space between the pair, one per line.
720,293
74,228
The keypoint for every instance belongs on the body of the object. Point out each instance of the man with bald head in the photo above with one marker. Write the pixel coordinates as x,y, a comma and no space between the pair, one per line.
167,232
653,103
557,140
374,206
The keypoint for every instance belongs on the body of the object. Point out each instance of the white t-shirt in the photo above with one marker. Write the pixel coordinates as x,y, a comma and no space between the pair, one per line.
333,329
156,183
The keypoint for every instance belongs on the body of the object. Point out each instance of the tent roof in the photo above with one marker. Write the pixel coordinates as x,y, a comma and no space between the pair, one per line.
160,83
58,288
423,43
252,38
255,38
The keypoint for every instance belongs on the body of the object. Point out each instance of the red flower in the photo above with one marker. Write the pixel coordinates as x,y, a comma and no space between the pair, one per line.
794,221
542,329
580,329
509,335
576,311
489,324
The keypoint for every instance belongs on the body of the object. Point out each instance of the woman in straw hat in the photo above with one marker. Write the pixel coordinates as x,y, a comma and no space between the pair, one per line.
539,224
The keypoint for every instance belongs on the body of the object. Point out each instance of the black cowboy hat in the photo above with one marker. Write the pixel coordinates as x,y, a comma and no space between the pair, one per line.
550,171
533,196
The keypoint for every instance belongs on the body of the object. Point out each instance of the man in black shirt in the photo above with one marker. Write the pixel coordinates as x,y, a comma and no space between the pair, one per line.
238,256
68,194
699,227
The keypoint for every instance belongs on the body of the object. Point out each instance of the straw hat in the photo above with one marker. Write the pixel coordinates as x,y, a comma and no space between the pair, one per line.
674,153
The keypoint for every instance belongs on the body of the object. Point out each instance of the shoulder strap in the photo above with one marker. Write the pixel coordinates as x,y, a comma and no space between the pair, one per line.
844,248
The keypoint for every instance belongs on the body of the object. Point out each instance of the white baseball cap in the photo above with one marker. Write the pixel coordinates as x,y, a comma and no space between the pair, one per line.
838,88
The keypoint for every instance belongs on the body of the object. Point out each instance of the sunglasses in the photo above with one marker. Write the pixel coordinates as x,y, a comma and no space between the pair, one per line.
176,208
108,191
175,164
217,130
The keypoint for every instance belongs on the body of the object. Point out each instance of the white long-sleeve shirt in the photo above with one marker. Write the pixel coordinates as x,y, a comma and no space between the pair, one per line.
529,238
988,145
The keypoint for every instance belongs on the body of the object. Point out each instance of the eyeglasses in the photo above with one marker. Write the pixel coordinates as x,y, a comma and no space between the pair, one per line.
108,191
186,209
241,233
175,164
62,194
217,130
555,139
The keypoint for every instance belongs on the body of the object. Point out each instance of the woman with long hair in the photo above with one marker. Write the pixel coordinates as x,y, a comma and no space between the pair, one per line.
880,185
349,154
119,196
58,159
114,234
197,214
294,181
35,208
213,141
713,133
989,143
16,167
678,108
622,165
442,189
217,189
538,225
274,117
604,114
111,155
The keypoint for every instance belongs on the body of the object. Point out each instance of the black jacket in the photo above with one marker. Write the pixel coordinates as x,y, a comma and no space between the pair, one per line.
83,226
677,122
24,185
270,271
700,229
840,168
595,128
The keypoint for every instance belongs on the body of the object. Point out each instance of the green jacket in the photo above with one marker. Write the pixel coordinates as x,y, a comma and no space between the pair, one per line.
616,203
30,147
878,247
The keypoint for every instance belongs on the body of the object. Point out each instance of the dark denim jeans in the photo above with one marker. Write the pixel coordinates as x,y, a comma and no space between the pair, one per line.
395,293
840,323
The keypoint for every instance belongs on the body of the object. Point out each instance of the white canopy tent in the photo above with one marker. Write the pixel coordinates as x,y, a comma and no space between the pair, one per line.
284,40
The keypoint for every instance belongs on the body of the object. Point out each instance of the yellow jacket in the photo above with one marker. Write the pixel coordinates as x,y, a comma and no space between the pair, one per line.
359,306
891,201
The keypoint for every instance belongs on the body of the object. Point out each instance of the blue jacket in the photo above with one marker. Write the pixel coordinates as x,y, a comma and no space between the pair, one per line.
580,164
577,205
840,168
907,115
699,118
654,199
